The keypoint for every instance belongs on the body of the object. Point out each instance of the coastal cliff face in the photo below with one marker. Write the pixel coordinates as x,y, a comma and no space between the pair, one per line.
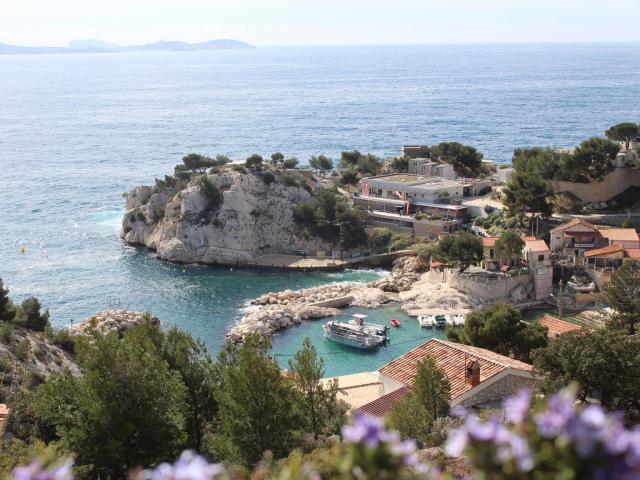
247,215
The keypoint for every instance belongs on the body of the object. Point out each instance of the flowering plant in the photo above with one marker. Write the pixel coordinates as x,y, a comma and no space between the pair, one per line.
559,441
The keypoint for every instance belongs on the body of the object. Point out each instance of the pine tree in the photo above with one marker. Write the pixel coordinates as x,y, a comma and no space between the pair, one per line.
7,310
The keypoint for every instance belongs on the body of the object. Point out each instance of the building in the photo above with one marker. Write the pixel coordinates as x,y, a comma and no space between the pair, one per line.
427,167
409,194
537,256
576,238
432,228
490,261
505,174
478,377
557,327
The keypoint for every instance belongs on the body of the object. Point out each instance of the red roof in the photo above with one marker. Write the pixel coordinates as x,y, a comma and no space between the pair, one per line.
489,241
536,245
383,405
557,327
573,222
620,234
453,359
604,250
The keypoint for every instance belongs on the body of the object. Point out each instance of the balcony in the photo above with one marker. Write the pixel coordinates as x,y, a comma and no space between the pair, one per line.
580,244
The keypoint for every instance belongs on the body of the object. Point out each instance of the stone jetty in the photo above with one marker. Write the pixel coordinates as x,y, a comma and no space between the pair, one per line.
108,321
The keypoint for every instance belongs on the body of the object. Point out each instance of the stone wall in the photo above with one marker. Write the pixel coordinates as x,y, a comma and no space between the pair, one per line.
613,184
494,394
486,287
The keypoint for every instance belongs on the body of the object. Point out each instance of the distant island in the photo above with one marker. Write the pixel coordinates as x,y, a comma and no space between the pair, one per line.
99,46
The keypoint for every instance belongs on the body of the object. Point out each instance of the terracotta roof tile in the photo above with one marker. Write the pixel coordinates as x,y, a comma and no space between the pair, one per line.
557,327
453,359
604,250
620,234
383,405
572,223
489,241
536,245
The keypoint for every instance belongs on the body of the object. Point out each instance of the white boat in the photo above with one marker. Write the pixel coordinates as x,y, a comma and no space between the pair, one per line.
455,320
432,321
356,333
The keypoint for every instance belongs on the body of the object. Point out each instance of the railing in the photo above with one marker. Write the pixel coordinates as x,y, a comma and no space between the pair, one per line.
580,245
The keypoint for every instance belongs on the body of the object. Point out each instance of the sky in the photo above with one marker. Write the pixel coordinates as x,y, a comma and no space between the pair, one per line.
319,22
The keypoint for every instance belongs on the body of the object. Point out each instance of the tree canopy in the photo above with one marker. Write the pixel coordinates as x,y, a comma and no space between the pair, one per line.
500,329
254,162
528,193
320,406
508,246
622,294
7,310
259,407
428,400
594,158
462,248
466,160
197,163
604,364
623,132
277,158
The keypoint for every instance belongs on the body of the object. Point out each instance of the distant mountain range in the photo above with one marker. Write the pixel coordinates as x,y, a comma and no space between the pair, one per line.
98,46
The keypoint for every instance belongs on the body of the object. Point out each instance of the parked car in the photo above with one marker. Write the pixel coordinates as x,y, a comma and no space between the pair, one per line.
302,253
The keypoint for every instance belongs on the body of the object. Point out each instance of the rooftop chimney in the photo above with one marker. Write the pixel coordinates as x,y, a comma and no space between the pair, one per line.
473,374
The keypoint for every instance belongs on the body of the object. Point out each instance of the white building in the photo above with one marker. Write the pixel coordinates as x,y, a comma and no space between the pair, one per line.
427,167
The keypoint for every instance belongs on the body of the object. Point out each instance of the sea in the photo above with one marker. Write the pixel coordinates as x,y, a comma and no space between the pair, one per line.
76,131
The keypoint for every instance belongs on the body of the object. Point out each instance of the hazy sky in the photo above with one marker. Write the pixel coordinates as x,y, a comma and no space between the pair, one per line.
319,22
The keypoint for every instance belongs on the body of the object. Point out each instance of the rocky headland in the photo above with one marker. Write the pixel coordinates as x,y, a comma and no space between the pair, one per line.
227,218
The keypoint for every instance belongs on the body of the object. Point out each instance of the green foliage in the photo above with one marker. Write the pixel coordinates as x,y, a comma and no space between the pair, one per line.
258,405
594,157
349,177
254,162
197,163
29,315
466,160
319,404
239,168
528,193
288,180
22,349
7,309
604,364
349,159
500,329
628,223
352,232
623,132
276,158
508,246
462,248
400,164
222,160
125,409
321,164
379,238
290,163
622,294
212,193
424,251
427,401
321,214
267,177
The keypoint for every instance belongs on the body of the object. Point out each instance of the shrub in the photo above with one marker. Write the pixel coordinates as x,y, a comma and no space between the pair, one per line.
158,213
290,163
306,186
288,180
379,238
5,365
6,331
21,349
64,340
239,168
267,177
140,216
212,193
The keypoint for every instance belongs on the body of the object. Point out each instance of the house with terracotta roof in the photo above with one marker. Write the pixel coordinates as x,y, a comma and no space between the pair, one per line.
490,261
577,237
478,377
557,327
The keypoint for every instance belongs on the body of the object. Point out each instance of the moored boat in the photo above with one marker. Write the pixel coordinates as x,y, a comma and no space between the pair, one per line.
356,333
433,321
395,322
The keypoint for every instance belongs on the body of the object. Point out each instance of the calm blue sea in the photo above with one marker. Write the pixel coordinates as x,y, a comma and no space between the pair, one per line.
78,130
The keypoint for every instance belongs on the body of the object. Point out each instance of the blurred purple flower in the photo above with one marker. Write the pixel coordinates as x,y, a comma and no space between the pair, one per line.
516,408
34,471
188,467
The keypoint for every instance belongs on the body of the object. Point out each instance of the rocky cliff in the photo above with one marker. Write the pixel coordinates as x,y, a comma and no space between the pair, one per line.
244,215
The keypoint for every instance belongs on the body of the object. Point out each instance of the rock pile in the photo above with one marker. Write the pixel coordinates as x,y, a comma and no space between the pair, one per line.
108,321
406,271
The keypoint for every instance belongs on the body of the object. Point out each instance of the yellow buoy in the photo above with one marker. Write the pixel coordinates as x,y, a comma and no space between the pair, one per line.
23,249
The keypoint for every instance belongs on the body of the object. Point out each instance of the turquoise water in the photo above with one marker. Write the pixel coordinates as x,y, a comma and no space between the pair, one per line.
78,130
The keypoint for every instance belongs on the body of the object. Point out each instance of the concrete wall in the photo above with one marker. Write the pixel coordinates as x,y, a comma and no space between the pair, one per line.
494,394
613,184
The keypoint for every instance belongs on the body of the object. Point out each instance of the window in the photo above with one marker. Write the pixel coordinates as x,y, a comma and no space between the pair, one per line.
491,253
541,258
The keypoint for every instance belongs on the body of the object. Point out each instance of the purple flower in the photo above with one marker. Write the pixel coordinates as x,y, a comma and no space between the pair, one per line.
188,467
370,431
34,471
457,442
517,407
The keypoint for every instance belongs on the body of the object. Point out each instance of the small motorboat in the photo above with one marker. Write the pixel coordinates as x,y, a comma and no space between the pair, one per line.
395,322
433,321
